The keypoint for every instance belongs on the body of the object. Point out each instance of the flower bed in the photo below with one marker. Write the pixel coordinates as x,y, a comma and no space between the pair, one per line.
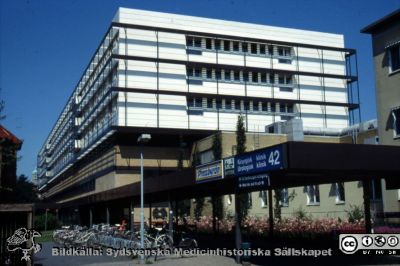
292,227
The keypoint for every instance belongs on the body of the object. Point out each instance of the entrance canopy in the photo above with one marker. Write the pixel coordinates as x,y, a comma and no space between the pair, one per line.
288,164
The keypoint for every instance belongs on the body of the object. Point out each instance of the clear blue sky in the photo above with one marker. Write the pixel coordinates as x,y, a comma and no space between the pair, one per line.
46,44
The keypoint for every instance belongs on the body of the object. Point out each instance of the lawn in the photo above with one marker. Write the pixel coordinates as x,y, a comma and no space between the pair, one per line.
47,236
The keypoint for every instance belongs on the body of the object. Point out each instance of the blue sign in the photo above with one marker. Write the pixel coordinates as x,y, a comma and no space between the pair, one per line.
255,181
209,172
259,161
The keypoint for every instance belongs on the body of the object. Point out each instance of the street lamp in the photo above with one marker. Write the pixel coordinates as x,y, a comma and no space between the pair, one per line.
142,139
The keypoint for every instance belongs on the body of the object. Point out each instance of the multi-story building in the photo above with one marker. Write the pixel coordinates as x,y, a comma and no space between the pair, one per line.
181,78
385,34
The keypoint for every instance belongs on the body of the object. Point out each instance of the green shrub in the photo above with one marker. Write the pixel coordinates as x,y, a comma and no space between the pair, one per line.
52,222
301,214
356,213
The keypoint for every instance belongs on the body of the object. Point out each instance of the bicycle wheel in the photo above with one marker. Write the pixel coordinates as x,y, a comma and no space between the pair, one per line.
164,242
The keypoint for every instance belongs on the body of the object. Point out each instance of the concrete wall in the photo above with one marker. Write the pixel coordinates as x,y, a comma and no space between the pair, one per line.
386,84
387,97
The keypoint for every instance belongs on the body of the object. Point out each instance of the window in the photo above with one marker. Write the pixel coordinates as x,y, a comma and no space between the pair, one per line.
210,103
263,198
217,44
197,42
228,104
281,79
206,156
218,74
289,108
284,51
271,78
253,48
263,78
245,76
284,197
195,102
237,105
394,58
339,188
273,107
376,190
282,108
219,104
190,102
254,77
313,195
264,107
285,79
270,50
244,47
235,46
189,72
227,75
246,106
226,45
194,72
262,48
189,41
396,122
209,73
229,199
249,201
198,102
197,72
208,44
236,75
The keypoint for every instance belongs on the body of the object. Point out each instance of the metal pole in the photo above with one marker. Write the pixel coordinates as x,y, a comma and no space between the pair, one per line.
141,203
150,214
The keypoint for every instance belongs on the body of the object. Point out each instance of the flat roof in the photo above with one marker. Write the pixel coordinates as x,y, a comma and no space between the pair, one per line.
219,26
382,23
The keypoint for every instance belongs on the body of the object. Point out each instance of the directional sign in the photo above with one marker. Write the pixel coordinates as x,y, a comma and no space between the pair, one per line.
259,161
260,181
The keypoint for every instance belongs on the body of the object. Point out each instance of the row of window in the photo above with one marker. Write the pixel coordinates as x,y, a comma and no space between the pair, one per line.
240,105
239,76
313,194
238,46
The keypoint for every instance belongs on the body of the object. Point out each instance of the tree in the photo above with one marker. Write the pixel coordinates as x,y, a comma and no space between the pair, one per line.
25,190
217,201
182,145
278,204
196,157
199,207
240,136
217,146
243,199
